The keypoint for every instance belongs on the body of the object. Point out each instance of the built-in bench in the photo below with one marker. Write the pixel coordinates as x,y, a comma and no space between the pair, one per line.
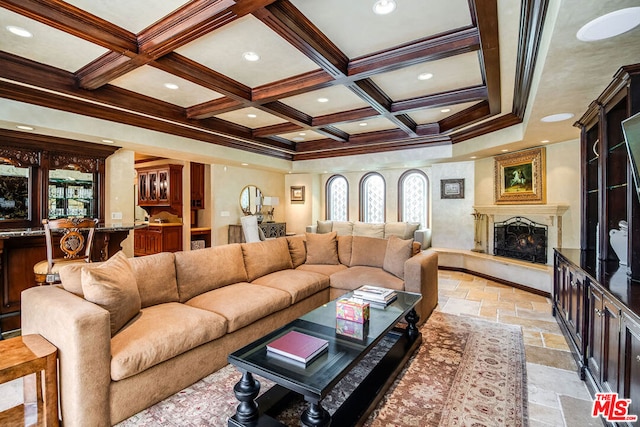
535,277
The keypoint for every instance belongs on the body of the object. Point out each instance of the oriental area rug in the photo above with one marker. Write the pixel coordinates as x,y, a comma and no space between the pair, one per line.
467,372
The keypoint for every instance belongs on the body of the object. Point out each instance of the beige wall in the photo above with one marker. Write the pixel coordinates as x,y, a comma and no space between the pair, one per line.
120,192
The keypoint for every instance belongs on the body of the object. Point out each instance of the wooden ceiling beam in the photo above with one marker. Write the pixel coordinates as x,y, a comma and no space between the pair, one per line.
290,24
424,50
486,12
267,131
295,85
212,108
77,22
477,112
333,133
345,116
477,93
188,69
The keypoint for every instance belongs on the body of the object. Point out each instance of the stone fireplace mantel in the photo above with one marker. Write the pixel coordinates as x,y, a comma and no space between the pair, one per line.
548,214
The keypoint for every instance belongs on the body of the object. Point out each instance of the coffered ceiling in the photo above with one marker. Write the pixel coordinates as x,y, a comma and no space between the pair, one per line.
332,78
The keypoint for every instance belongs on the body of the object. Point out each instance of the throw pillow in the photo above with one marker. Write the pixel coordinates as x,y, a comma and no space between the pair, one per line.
298,250
368,251
368,229
398,251
322,248
112,286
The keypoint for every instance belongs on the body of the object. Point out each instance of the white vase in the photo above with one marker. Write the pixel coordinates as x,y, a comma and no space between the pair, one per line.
618,241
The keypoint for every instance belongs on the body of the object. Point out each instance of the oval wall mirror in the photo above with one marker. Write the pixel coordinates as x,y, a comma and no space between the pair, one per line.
250,200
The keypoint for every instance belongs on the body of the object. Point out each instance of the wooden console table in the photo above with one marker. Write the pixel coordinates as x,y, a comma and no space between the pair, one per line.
270,230
21,357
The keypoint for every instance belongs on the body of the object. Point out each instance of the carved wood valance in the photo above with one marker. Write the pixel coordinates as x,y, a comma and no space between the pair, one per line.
79,163
19,156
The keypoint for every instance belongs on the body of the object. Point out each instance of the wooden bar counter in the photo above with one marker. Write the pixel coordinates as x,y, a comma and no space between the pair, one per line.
21,249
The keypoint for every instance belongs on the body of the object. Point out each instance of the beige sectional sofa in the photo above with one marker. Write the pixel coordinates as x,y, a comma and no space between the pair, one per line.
132,331
404,230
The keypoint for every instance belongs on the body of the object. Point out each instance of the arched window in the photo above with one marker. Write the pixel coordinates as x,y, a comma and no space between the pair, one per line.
372,198
337,194
413,193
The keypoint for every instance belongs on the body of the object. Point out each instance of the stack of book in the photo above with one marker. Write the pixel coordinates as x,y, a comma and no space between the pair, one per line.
376,296
297,347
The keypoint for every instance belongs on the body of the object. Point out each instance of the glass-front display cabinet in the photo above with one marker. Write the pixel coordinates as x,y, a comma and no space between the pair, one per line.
15,188
71,193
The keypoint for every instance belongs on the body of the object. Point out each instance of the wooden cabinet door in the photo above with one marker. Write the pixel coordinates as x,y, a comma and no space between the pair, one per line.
596,322
163,186
610,345
197,186
143,188
154,241
630,362
152,198
139,242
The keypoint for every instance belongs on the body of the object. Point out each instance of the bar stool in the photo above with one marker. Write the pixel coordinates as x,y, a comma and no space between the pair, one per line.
76,243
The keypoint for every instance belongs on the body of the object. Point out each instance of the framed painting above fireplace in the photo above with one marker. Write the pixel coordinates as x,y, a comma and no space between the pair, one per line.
519,177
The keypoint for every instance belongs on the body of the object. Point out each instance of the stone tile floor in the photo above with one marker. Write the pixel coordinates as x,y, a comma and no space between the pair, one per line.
557,397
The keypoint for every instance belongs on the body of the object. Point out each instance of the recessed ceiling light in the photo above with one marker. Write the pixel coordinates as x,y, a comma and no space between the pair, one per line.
19,31
610,25
108,141
171,86
473,157
323,99
425,76
556,117
445,110
504,150
251,56
23,127
544,141
384,7
302,134
363,124
244,164
252,116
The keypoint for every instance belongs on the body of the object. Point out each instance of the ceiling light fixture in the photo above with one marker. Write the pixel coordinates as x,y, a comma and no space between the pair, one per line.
473,157
323,99
384,7
610,25
544,141
23,127
108,141
244,164
556,117
171,86
252,116
251,56
445,110
19,31
302,134
363,124
425,76
504,150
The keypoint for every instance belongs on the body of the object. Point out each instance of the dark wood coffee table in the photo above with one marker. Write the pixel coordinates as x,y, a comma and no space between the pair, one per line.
318,378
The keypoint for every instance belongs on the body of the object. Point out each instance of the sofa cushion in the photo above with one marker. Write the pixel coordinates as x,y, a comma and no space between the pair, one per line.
322,248
368,251
159,333
324,269
343,228
265,257
159,287
209,268
242,303
112,286
299,283
354,277
368,229
397,253
297,249
324,227
344,249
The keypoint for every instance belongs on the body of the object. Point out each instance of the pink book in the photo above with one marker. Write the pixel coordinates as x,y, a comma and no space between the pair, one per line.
298,346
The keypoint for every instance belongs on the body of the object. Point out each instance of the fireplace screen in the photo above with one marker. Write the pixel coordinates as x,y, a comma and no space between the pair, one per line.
521,238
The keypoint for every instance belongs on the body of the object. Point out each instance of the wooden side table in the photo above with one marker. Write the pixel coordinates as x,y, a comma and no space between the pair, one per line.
32,354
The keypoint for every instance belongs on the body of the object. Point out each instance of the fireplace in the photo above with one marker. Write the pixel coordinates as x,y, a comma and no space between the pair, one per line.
521,238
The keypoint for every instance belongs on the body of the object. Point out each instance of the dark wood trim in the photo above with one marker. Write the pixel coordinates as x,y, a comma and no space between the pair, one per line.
495,279
486,13
460,96
493,125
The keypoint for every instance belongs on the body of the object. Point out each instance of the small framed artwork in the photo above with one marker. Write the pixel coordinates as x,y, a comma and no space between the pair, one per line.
452,188
297,194
520,177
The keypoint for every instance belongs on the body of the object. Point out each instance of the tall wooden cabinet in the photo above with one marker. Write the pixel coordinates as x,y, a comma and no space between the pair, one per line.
596,291
160,186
